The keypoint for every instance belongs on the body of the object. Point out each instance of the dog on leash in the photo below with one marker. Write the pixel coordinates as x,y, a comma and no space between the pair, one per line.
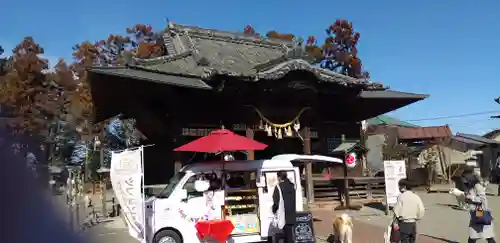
456,192
342,229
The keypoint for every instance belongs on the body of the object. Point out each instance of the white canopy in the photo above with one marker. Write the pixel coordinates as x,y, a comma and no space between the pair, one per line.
298,157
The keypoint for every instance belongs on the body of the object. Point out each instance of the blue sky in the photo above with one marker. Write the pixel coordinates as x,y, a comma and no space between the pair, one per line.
444,48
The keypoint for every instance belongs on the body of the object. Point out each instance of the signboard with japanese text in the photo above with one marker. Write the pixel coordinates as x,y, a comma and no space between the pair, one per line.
126,178
394,170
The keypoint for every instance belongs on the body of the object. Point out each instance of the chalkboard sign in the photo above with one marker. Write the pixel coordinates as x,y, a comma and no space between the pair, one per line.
304,230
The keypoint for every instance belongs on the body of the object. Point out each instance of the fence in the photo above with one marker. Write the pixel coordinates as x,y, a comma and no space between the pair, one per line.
360,188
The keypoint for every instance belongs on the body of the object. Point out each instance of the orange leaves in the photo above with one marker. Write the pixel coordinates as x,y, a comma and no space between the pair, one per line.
314,51
85,55
147,50
140,29
140,41
33,95
276,35
339,52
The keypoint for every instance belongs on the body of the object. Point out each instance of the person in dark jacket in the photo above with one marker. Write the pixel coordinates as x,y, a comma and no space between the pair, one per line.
287,189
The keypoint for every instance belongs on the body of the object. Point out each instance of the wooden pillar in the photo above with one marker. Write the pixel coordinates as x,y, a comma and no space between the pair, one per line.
346,179
177,140
309,176
250,153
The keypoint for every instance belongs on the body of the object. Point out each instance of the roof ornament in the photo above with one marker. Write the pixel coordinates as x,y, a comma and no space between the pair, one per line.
170,24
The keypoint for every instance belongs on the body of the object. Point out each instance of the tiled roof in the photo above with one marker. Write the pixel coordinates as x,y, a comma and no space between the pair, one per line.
424,132
493,134
387,120
203,53
347,147
466,140
189,82
478,138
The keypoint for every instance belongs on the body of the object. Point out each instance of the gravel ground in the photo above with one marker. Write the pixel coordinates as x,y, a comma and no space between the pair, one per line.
441,220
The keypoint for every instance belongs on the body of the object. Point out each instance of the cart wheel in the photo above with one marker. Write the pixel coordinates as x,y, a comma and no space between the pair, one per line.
167,236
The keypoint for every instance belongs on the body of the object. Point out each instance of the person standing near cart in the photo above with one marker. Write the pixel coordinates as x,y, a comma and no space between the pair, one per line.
408,210
284,207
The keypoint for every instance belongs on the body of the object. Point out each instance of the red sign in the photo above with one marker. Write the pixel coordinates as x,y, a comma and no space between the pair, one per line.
351,160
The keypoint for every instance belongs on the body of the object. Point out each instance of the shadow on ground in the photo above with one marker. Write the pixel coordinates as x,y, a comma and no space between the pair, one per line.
444,240
377,206
452,206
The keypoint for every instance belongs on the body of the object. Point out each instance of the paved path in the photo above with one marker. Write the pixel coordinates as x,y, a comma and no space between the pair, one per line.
116,231
363,231
441,223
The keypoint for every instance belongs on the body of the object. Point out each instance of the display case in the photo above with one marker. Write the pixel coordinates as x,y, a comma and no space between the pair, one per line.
241,208
242,201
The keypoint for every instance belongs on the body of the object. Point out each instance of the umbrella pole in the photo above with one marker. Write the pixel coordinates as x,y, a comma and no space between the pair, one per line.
224,174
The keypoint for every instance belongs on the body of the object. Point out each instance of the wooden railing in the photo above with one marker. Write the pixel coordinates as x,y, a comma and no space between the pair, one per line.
359,188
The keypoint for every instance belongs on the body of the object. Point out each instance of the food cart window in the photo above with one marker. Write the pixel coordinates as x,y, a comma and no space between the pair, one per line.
189,186
241,180
272,179
167,191
214,180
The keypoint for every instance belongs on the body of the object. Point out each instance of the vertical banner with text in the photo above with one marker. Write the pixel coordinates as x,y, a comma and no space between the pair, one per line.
126,178
394,170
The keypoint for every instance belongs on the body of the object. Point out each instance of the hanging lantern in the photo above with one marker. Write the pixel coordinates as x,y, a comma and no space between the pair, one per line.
280,135
350,160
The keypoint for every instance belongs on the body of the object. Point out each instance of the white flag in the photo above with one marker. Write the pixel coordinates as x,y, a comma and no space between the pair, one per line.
126,178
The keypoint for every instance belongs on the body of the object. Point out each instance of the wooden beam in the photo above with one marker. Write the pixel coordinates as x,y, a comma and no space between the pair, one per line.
309,175
250,153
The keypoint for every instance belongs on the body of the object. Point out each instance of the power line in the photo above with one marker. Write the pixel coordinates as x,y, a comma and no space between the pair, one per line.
474,123
454,116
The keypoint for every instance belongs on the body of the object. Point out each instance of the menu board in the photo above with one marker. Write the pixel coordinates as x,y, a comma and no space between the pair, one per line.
394,170
304,230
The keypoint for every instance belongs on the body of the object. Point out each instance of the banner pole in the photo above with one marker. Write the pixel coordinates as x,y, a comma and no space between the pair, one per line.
143,197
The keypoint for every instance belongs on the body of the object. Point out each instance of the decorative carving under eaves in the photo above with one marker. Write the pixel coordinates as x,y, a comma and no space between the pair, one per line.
280,70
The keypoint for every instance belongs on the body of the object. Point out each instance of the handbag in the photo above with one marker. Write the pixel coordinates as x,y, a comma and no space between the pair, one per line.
481,216
331,238
395,235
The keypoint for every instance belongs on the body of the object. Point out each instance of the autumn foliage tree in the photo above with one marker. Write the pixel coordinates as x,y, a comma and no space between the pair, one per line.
34,101
339,51
33,95
140,41
4,62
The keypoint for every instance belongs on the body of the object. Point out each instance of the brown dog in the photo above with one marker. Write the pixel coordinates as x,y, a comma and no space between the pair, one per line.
342,228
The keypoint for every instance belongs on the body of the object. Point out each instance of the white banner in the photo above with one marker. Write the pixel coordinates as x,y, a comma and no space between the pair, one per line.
394,170
126,178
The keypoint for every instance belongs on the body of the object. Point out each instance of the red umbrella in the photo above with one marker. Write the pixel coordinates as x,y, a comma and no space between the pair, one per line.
221,140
